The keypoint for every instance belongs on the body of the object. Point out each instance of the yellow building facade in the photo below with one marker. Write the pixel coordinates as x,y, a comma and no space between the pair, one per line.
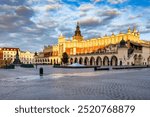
78,46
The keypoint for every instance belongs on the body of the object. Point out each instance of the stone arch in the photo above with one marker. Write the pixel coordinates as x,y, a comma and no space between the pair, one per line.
71,61
54,61
45,60
80,60
114,61
86,61
92,61
140,59
148,60
135,59
57,61
76,60
120,63
98,61
106,61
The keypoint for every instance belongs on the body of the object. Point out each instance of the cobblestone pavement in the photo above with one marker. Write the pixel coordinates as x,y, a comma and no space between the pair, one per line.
74,84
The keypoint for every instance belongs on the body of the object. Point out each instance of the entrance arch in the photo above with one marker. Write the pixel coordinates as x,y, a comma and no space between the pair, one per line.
76,60
81,60
71,61
106,61
120,63
135,59
114,61
140,59
99,61
92,61
86,61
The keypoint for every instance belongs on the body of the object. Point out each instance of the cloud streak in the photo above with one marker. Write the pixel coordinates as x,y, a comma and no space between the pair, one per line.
31,24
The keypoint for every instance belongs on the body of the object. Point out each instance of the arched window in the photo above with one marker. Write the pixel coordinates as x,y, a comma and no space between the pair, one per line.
106,61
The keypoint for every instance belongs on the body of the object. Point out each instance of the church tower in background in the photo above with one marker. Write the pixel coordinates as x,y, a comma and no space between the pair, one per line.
78,36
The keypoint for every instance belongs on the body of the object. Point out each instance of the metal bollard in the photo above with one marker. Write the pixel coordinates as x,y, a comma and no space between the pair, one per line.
41,71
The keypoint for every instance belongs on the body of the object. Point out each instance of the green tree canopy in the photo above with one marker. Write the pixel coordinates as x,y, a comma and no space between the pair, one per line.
65,58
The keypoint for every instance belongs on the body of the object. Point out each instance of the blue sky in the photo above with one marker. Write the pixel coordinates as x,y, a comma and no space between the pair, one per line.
31,24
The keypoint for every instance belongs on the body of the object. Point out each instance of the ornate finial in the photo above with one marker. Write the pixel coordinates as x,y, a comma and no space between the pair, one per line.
61,35
35,54
129,30
134,29
113,34
78,23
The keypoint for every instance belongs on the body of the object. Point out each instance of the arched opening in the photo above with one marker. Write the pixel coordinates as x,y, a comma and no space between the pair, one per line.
92,61
140,58
148,60
135,59
106,61
114,61
81,60
86,61
99,61
120,63
76,60
57,61
71,61
54,61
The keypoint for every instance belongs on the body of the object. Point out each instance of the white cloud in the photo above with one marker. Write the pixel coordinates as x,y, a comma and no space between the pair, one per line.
96,1
51,17
116,1
86,7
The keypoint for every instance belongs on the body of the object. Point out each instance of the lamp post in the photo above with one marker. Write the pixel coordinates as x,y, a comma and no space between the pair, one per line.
149,55
35,56
6,64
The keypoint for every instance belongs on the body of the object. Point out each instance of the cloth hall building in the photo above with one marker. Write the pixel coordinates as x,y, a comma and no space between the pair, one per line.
121,49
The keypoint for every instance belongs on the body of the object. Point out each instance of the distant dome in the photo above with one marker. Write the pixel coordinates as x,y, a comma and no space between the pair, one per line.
35,54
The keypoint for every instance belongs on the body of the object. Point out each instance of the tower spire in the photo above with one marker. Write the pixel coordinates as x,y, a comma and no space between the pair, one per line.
78,32
129,30
78,36
78,24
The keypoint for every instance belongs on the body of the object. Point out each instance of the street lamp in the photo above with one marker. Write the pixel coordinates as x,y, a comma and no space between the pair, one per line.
35,56
149,55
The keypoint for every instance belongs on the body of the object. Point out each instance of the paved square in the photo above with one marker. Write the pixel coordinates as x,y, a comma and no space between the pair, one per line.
22,83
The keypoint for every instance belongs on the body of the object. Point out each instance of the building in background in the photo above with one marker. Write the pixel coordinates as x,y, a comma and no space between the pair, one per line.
9,54
26,57
121,49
